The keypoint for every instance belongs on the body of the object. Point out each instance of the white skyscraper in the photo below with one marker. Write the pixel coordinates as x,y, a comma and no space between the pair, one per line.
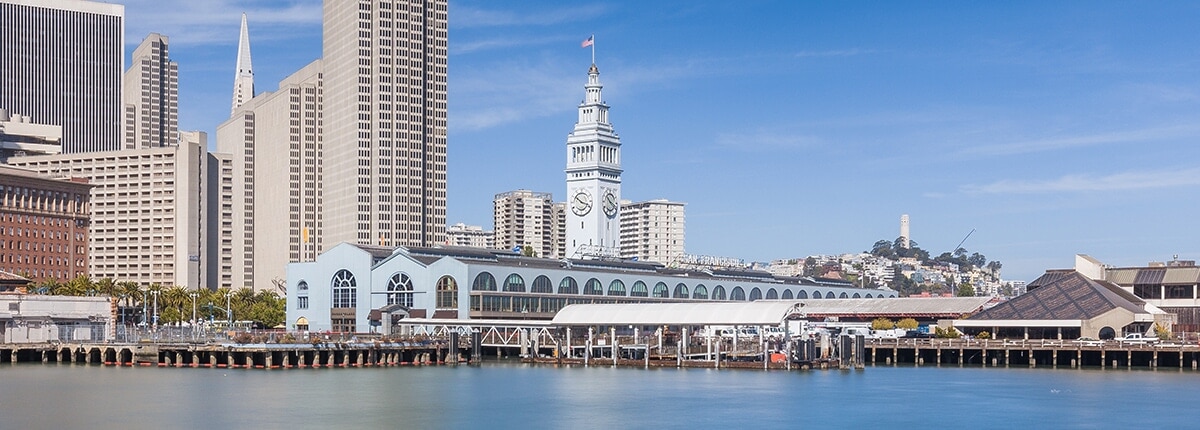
593,178
60,64
243,80
151,96
385,122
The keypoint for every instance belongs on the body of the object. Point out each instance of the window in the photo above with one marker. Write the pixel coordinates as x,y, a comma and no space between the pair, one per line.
1179,291
616,288
638,290
755,294
816,295
681,291
541,284
701,292
345,289
400,290
718,293
484,281
787,295
737,294
772,294
447,293
568,286
593,287
660,290
302,302
856,296
514,283
829,295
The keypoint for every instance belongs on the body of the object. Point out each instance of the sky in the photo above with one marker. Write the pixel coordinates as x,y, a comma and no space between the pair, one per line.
799,128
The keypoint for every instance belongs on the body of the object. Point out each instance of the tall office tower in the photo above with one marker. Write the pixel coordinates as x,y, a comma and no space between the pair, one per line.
593,178
62,65
216,260
904,231
385,122
652,230
243,80
526,219
152,96
275,143
145,211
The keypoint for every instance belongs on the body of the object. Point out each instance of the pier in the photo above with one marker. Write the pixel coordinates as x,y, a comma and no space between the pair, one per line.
1032,353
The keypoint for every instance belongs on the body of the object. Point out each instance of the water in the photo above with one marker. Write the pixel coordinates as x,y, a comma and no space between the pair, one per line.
505,395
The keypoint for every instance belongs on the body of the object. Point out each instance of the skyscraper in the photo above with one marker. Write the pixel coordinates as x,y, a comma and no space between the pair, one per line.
385,122
62,65
593,178
243,79
151,96
526,219
652,230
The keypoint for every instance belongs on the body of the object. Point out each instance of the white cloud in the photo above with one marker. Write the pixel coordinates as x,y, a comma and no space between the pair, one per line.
1085,183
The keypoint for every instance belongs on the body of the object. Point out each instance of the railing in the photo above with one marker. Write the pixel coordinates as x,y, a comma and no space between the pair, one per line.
1027,343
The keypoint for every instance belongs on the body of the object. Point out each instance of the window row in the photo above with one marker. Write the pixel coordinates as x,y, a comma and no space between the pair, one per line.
484,281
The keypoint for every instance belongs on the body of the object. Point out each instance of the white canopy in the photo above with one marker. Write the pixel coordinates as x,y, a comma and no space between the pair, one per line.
724,313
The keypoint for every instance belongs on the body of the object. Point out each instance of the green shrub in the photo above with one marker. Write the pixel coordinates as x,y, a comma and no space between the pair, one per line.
908,324
882,324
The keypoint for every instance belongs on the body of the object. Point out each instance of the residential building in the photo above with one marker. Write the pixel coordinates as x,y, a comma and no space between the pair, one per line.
43,225
471,236
593,178
274,142
652,230
385,122
145,211
63,61
526,219
20,136
151,96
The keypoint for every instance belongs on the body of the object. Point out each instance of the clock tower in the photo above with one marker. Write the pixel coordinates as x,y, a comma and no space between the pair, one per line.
593,178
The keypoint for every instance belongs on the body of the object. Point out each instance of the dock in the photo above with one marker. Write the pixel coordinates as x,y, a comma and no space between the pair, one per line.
1033,353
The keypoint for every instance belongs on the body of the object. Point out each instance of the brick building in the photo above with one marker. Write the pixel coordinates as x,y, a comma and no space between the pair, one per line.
43,225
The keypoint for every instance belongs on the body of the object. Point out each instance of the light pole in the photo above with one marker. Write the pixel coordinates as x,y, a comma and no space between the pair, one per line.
155,293
228,309
194,296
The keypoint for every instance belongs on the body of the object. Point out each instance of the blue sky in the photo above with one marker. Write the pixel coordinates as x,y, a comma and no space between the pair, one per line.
796,128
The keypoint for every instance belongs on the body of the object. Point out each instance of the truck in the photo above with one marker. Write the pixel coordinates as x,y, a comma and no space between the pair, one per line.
1136,339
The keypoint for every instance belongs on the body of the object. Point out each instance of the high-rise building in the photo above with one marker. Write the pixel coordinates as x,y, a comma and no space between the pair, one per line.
274,142
243,79
652,230
385,122
593,178
526,219
152,96
904,231
62,65
473,236
43,225
145,211
216,260
19,136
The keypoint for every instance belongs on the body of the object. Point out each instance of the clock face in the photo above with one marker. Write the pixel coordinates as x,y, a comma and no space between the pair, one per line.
581,204
610,204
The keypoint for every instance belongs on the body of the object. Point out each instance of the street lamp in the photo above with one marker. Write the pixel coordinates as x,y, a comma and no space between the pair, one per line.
155,293
228,309
194,296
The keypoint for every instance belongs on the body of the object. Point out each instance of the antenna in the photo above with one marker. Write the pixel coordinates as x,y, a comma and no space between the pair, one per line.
962,242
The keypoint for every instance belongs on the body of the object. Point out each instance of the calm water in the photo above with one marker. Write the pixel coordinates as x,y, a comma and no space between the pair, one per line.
496,396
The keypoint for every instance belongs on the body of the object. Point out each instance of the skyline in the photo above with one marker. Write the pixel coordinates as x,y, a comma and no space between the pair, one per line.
1025,125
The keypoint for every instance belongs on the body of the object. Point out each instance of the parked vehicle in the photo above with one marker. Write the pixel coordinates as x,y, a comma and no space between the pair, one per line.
1136,339
1088,341
916,334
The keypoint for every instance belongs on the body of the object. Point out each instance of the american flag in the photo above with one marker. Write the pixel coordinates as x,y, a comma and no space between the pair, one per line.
588,42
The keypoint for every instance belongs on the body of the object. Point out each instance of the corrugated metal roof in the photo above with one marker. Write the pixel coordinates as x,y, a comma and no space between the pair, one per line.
1121,276
762,312
1152,276
1181,275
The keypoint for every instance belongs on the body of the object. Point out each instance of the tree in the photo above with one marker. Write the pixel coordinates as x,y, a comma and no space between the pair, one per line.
965,290
882,324
810,266
528,251
977,260
908,324
994,267
884,249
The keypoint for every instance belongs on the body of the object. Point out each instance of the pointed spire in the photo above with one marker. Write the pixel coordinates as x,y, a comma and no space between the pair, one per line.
243,80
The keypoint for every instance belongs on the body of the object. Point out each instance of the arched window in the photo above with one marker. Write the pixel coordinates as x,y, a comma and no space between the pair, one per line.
772,294
787,295
400,290
755,294
737,294
816,294
681,291
843,296
829,295
514,283
718,293
616,288
484,281
869,296
302,295
660,290
593,287
638,290
345,289
447,293
541,284
802,294
568,286
701,292
856,296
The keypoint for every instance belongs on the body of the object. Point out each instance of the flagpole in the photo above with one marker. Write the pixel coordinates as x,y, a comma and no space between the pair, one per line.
593,49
